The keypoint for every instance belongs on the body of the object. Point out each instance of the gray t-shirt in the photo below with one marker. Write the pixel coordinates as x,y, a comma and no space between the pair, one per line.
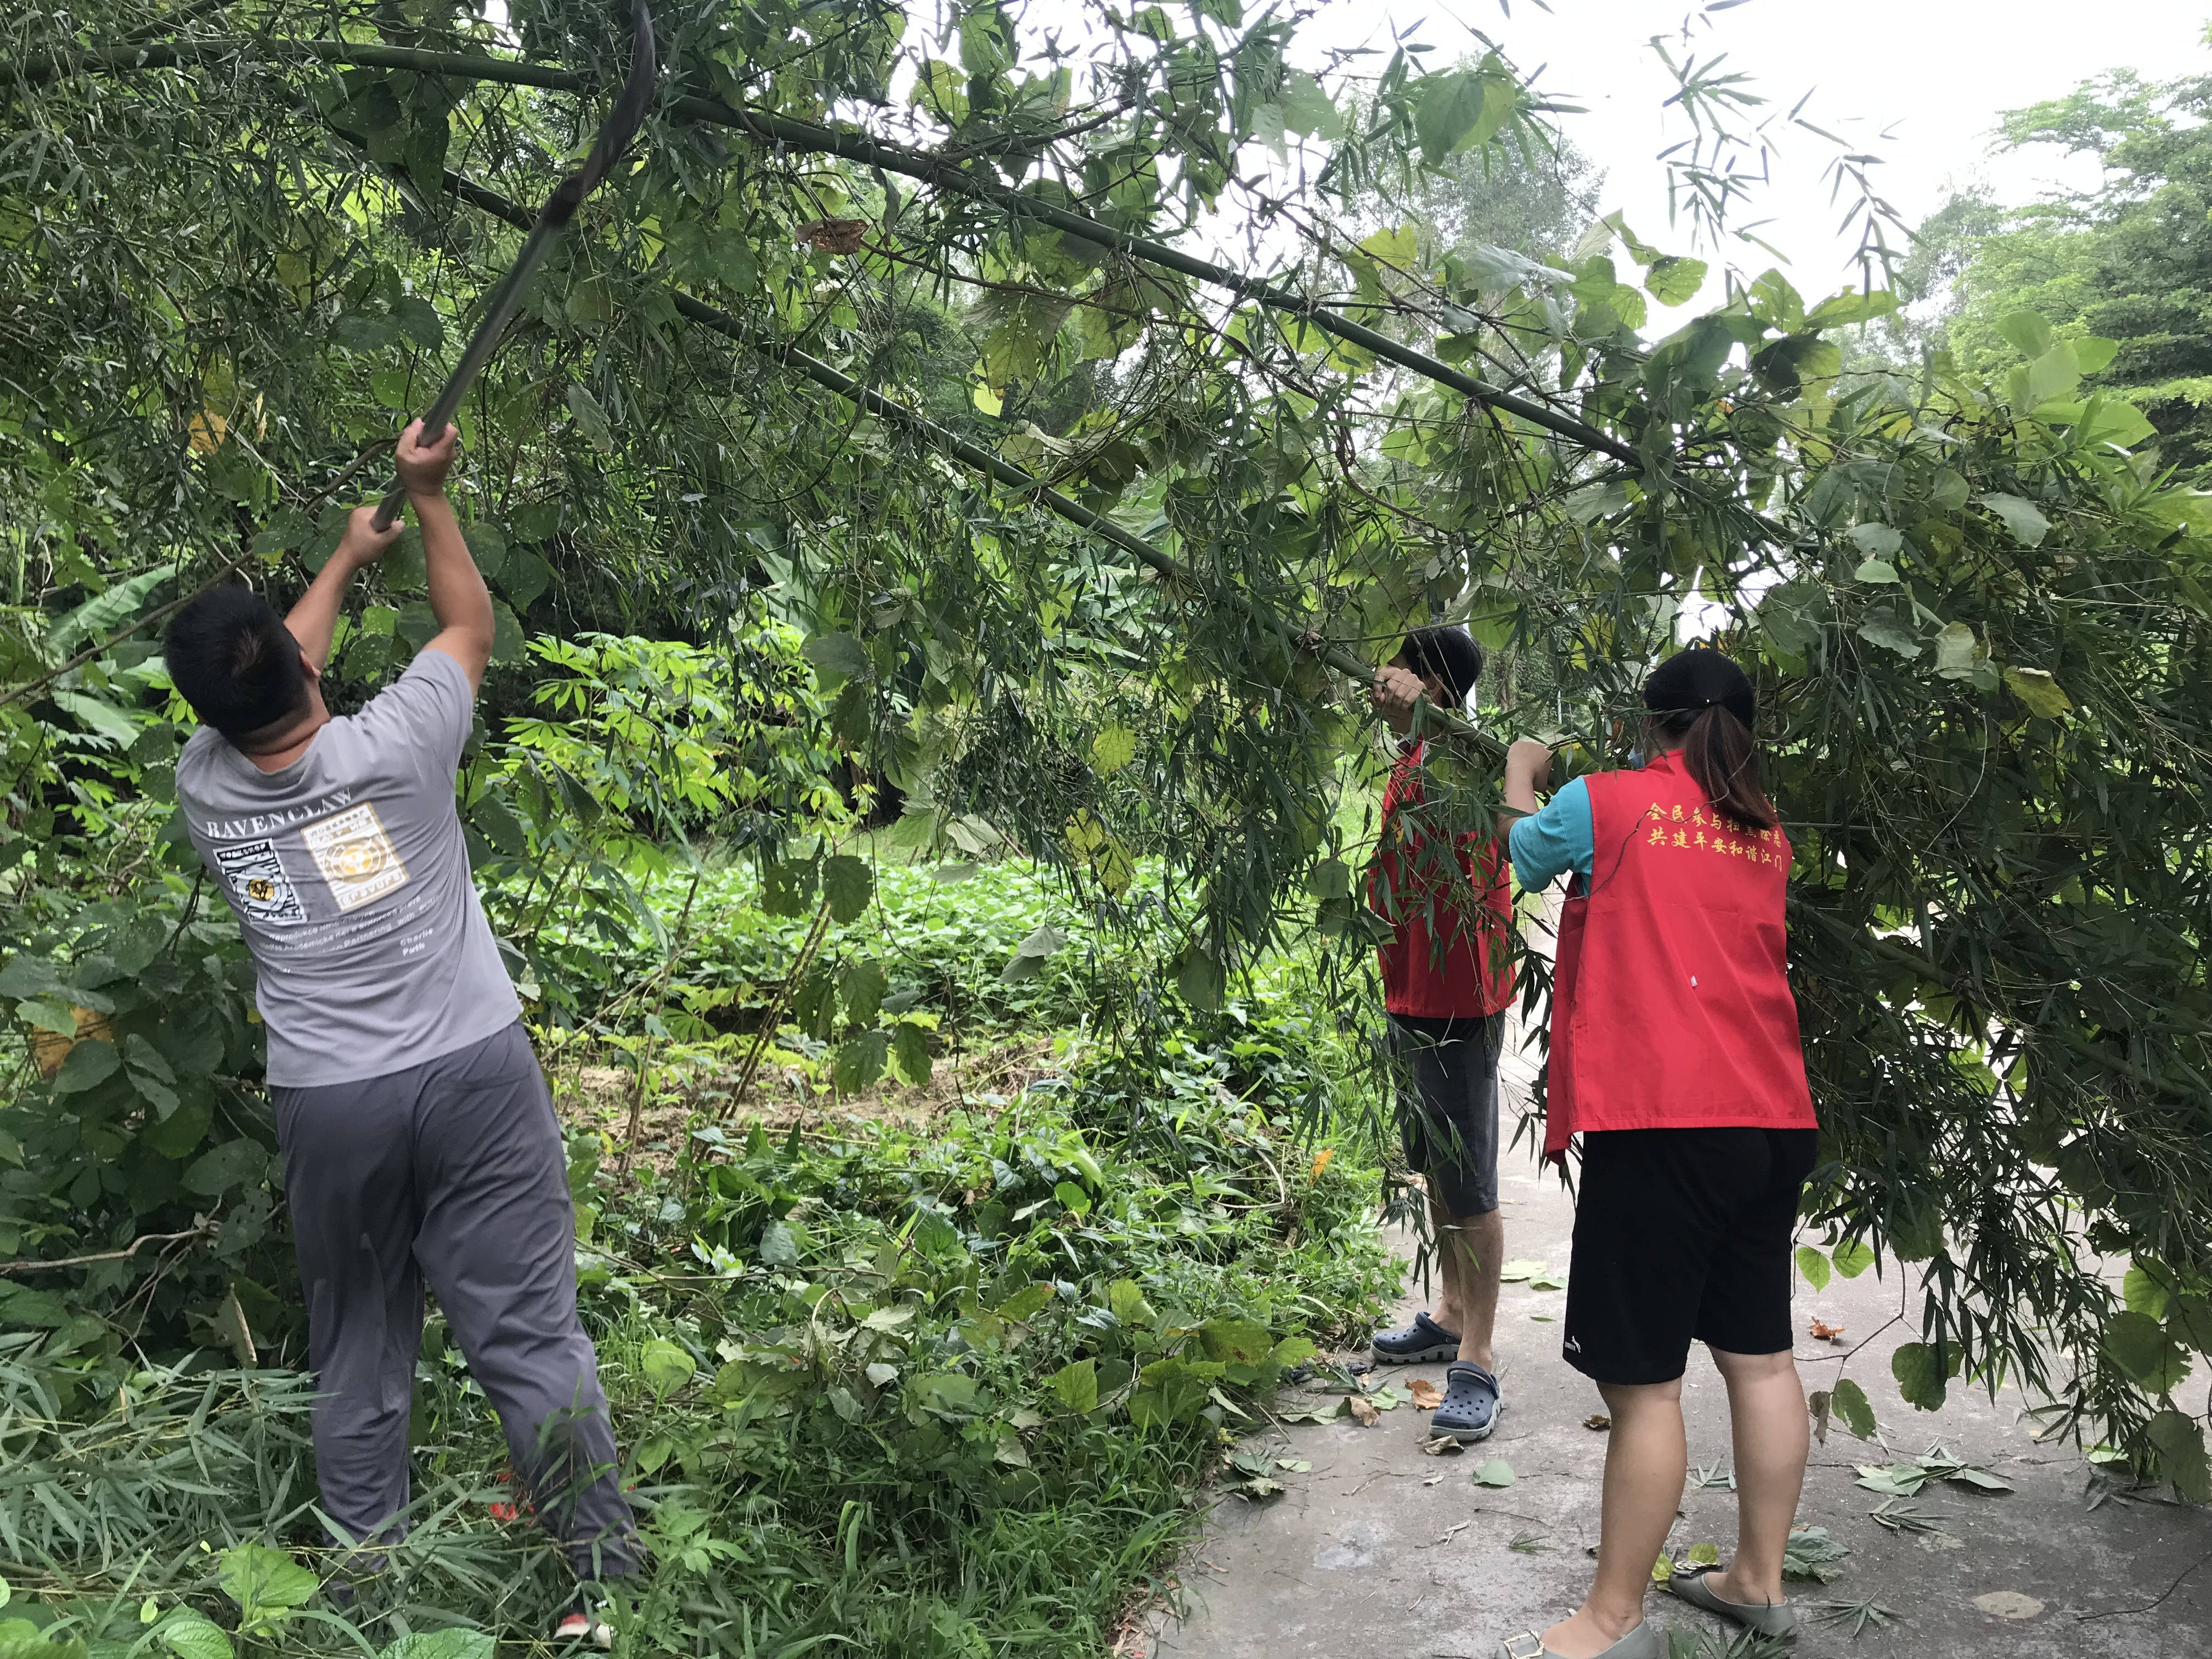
349,877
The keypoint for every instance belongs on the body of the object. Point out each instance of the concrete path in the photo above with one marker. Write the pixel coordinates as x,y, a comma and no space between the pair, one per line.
1383,1551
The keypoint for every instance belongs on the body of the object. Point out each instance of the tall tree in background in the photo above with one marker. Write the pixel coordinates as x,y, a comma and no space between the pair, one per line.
2129,261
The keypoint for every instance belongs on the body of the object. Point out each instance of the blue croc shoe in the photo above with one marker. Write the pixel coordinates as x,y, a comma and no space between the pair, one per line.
1418,1344
1469,1410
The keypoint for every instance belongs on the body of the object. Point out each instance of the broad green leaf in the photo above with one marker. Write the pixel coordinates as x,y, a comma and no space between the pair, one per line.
107,610
1920,1378
1875,570
1027,1301
1076,1385
591,419
1114,748
1848,1403
1851,1259
836,659
1200,980
442,1644
238,1162
2027,333
860,1061
666,1367
193,1636
2092,352
2022,517
260,1579
1957,650
1307,109
910,1053
88,1064
2139,1347
1493,1472
847,884
2180,1443
2039,693
2143,1293
1813,1266
1675,280
1851,308
1460,110
1126,1301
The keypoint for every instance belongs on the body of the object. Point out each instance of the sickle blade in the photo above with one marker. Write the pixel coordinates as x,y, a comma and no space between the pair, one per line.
614,136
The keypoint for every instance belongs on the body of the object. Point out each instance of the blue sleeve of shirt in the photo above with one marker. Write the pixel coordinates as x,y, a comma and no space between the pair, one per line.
1555,839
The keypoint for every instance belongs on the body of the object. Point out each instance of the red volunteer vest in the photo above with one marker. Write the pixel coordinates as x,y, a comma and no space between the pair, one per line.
1462,964
1670,999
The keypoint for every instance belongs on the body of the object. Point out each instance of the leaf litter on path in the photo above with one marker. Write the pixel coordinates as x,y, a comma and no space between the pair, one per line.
1424,1394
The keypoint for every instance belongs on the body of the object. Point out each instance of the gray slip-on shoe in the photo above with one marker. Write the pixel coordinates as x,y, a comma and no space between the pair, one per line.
1420,1343
1644,1642
1469,1410
1767,1617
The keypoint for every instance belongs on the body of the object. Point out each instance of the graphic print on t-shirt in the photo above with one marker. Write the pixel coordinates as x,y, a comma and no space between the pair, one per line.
257,881
355,856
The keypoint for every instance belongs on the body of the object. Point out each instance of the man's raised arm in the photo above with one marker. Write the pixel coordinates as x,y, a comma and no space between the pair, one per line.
458,599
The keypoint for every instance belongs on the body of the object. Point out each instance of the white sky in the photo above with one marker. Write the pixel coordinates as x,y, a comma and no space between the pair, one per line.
1933,73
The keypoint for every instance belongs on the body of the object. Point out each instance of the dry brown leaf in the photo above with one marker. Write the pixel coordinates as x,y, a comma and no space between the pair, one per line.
1597,1420
1364,1412
1443,1445
1425,1393
1824,1332
835,235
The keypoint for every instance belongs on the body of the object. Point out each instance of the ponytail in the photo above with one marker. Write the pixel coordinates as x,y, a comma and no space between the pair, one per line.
1722,755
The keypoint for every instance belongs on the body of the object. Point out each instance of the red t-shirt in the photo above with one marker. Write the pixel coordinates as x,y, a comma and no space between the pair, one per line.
1670,999
1452,957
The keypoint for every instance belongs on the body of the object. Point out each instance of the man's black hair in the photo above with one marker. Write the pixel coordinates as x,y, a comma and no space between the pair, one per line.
1450,654
235,662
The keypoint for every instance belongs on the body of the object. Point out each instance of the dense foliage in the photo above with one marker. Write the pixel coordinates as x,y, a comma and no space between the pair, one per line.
864,287
2129,261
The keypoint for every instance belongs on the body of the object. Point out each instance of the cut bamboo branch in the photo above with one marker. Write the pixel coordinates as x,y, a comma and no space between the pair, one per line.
940,173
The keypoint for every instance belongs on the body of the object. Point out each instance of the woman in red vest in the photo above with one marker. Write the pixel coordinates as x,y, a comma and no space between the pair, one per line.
1674,1055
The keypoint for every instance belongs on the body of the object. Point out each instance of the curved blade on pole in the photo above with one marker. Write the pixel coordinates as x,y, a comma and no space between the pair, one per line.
621,125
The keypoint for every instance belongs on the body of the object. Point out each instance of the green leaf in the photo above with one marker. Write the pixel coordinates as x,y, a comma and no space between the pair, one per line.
1848,1403
1851,1259
591,419
1026,1302
442,1644
1849,308
860,1061
1201,980
1877,570
1495,1472
2181,1460
116,727
88,1064
261,1580
241,1163
1076,1385
1073,1198
2027,333
666,1367
836,659
1813,1266
910,1053
107,610
1675,280
193,1636
2039,693
1114,748
2143,1293
1919,1378
2141,1347
1459,110
847,884
2022,517
779,1246
1957,651
1307,109
1127,1302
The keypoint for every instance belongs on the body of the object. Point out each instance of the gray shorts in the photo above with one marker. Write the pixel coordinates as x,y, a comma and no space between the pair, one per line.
1447,1111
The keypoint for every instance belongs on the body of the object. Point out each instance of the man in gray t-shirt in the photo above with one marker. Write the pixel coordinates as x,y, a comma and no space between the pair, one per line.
417,1135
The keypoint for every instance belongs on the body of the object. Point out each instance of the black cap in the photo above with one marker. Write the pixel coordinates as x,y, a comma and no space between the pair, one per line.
1699,679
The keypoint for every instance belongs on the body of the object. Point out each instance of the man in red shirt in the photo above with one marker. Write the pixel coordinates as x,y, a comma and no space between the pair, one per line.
1447,979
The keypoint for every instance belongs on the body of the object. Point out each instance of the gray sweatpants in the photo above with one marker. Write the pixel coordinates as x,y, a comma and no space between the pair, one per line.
450,1170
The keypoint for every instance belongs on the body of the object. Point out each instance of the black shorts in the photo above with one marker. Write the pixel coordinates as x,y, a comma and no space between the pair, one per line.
1682,1236
1448,1112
